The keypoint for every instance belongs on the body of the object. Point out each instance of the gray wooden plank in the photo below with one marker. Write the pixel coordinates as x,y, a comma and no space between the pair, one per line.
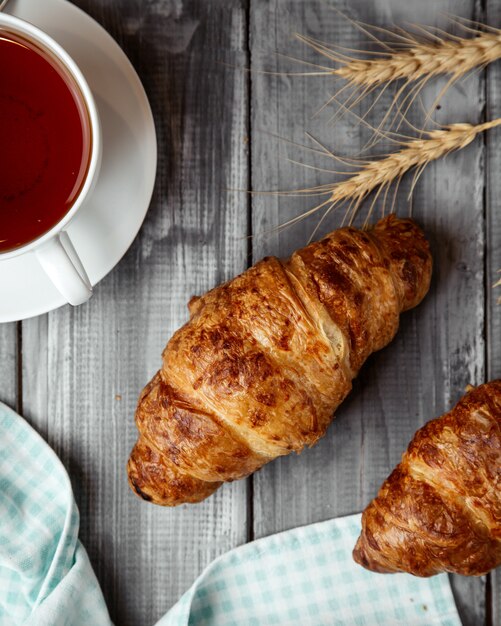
440,346
493,260
84,367
495,599
8,364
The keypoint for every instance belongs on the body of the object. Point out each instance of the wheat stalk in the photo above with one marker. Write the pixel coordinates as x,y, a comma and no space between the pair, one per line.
411,58
455,56
380,174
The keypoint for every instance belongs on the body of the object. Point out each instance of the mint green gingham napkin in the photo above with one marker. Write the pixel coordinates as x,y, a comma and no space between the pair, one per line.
303,577
46,578
307,577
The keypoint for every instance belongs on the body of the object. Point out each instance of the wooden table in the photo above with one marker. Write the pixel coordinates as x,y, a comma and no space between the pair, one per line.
75,374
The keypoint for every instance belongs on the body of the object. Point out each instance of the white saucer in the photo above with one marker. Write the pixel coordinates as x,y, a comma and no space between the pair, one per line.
105,227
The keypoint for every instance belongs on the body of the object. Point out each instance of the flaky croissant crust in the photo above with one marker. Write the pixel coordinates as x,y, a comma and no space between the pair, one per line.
440,509
267,357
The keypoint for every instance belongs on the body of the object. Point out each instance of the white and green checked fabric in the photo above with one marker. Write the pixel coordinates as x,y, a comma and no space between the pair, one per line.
307,577
303,577
46,578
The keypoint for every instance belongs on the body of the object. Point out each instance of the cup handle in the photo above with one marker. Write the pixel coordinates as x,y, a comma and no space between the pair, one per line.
60,261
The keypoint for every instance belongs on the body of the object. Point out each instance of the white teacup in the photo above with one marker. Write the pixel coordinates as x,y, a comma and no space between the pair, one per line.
54,249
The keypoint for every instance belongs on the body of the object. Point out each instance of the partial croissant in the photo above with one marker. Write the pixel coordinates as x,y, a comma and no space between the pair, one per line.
440,509
267,357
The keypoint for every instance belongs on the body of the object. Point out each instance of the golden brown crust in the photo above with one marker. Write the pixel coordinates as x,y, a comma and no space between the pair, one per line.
267,357
440,509
154,478
193,440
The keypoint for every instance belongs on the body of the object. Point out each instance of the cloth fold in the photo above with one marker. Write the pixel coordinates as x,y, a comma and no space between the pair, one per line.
46,578
306,576
303,577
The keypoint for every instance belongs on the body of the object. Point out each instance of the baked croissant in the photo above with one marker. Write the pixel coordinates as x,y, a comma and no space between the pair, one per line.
440,509
267,357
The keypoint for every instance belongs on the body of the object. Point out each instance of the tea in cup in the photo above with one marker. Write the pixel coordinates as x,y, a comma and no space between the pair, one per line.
50,152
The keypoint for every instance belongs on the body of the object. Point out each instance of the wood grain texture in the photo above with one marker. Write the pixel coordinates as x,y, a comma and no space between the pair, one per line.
9,364
84,367
493,251
440,346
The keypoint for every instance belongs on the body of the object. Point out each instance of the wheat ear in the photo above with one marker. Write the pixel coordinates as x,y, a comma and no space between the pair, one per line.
455,56
380,174
413,59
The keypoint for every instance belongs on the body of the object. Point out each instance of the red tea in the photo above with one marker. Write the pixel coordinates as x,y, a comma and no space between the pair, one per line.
45,141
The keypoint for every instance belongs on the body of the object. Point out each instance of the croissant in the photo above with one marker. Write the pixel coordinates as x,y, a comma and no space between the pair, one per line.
268,356
440,509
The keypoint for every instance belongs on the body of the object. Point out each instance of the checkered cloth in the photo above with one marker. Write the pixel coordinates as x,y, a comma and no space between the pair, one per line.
46,578
303,577
307,577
